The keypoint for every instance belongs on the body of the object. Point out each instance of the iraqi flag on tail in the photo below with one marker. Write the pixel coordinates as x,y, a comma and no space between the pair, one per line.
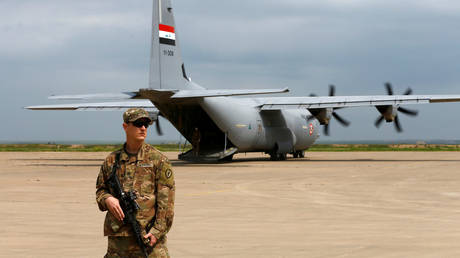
167,35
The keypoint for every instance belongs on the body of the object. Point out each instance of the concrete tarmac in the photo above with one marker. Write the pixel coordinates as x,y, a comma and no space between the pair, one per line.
385,204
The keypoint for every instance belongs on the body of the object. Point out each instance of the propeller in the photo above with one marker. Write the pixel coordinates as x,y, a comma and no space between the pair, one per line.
340,119
158,127
155,116
395,110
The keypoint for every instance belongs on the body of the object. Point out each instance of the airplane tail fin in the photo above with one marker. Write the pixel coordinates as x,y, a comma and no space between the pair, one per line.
167,69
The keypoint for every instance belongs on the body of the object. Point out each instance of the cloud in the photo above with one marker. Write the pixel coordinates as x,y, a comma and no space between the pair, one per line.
32,28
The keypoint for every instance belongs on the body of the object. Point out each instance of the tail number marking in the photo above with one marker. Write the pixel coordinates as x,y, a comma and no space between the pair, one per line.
168,52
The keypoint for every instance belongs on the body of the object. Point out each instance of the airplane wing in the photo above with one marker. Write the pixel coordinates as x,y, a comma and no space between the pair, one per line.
277,103
174,94
182,94
122,95
104,106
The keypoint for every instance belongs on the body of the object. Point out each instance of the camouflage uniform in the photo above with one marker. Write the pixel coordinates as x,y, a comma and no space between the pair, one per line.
150,175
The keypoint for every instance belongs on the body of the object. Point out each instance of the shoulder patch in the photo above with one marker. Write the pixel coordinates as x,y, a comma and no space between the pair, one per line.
166,175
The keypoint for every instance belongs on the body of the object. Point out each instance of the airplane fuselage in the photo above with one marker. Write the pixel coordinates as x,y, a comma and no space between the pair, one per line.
244,126
253,130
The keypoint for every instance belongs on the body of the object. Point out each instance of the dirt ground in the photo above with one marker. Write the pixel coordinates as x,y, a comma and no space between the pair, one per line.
389,204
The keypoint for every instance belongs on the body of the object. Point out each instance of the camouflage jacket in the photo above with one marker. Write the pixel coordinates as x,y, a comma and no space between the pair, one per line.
150,175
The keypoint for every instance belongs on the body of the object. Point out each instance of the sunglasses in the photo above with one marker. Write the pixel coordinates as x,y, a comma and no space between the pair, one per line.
140,123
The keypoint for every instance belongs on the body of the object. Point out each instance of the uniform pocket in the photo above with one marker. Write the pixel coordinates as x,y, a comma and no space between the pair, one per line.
113,224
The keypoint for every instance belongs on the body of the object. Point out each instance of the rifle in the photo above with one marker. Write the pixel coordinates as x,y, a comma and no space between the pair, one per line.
128,205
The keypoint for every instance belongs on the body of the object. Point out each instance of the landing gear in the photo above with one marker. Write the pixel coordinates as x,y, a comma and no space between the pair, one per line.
277,156
282,156
299,154
274,155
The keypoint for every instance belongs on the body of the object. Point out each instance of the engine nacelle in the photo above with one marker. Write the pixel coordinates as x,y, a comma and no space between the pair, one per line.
389,112
322,114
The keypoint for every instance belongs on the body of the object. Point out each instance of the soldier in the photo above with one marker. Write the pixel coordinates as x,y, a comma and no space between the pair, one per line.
196,138
147,172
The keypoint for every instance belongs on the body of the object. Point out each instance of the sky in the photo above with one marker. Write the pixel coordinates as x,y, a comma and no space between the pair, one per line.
80,47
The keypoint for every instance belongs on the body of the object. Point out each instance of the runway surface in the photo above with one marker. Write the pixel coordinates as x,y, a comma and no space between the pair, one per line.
385,204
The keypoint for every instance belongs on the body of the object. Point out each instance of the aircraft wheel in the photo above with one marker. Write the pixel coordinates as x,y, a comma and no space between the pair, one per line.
273,156
296,154
282,156
301,154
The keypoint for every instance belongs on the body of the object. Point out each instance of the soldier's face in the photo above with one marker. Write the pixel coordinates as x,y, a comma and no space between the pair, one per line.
134,133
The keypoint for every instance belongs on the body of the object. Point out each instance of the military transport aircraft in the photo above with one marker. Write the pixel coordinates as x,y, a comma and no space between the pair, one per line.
274,125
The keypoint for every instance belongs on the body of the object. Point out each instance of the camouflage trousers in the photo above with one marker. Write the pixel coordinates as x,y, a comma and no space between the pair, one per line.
126,247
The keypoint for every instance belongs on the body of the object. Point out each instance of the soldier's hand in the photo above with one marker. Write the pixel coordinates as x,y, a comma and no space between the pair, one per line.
152,239
113,205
